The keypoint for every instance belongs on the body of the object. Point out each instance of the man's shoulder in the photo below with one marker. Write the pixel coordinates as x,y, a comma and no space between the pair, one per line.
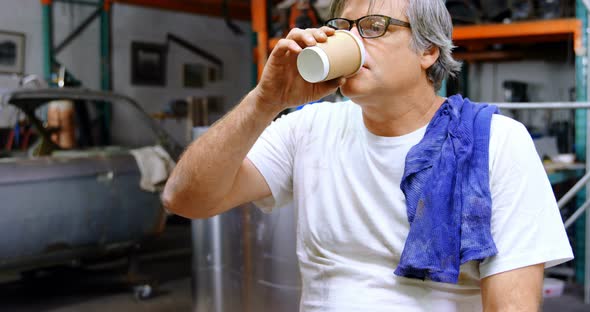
504,122
504,126
510,143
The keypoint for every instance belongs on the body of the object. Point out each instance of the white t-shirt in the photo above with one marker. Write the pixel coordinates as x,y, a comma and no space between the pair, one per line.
352,223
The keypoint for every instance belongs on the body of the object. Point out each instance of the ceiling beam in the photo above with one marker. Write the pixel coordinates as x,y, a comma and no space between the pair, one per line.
238,9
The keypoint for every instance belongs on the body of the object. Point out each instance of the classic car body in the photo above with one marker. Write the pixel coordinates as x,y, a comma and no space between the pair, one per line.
77,204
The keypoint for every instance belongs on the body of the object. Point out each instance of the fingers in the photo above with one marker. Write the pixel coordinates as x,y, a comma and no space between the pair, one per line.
300,38
328,30
285,46
311,36
318,35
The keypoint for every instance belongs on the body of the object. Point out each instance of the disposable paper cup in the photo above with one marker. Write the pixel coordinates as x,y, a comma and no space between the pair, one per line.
342,55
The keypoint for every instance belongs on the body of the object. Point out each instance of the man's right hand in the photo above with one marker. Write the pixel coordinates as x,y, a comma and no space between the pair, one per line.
281,86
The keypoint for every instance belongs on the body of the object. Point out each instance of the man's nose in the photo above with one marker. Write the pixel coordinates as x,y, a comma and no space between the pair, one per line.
355,31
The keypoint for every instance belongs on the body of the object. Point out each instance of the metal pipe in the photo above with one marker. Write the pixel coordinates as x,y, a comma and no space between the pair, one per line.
47,31
577,214
105,46
81,2
581,143
254,70
545,105
575,189
106,65
77,31
217,261
443,88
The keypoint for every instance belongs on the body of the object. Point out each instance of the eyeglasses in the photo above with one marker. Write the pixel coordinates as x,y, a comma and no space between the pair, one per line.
370,26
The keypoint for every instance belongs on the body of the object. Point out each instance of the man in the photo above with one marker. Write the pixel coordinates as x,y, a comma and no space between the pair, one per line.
342,165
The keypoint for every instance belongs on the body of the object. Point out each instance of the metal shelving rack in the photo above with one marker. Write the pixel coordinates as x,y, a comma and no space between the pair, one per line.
103,13
547,31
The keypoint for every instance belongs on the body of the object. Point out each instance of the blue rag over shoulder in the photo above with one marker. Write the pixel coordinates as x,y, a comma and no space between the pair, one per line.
446,185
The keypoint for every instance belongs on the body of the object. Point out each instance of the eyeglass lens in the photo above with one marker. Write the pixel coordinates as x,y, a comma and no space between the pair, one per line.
372,26
369,26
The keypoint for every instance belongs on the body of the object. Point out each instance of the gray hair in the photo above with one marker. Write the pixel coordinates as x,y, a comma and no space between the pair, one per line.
431,27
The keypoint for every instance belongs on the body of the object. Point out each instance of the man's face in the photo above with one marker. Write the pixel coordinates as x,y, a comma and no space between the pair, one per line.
391,66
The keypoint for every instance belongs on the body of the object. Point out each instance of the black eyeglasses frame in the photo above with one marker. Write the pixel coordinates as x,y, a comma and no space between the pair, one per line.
388,21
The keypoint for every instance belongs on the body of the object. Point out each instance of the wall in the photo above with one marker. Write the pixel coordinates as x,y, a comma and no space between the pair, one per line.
22,16
548,81
211,34
131,23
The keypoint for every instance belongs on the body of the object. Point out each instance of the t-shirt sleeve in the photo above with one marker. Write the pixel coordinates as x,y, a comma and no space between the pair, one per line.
527,227
273,155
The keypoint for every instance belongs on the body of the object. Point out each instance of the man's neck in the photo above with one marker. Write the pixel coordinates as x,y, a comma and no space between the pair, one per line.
399,115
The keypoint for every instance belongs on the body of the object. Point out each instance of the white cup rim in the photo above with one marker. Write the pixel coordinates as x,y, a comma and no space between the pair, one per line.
325,64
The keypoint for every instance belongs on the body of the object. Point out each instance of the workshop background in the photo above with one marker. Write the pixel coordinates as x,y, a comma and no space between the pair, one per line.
100,97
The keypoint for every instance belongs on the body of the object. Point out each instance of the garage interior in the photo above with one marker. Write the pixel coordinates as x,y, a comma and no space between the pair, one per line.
100,97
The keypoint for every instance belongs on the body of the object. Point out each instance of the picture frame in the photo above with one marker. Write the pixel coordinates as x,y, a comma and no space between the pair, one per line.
12,52
148,64
215,74
194,75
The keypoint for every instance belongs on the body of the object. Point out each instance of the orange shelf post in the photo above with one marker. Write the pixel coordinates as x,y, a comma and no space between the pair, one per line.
529,31
260,27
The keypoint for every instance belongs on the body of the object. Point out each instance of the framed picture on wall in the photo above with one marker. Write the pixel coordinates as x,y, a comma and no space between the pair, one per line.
215,74
198,75
12,52
194,75
148,64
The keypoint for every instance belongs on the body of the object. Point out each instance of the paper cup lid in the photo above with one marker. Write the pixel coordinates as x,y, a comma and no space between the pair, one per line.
313,64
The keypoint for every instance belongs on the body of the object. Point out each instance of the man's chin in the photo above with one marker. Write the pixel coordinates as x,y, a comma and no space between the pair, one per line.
354,88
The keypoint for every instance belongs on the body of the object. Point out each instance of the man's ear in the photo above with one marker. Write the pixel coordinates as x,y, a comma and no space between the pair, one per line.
429,56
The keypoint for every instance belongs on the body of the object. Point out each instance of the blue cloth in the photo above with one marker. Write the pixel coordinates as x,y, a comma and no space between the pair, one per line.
446,185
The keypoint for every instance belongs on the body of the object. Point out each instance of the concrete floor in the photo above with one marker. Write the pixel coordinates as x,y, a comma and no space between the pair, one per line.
173,296
68,290
106,287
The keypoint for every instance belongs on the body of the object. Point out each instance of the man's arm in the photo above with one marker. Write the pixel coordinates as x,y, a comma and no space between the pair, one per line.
213,175
516,290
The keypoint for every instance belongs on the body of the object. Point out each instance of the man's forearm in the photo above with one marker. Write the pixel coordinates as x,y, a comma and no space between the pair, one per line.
207,169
